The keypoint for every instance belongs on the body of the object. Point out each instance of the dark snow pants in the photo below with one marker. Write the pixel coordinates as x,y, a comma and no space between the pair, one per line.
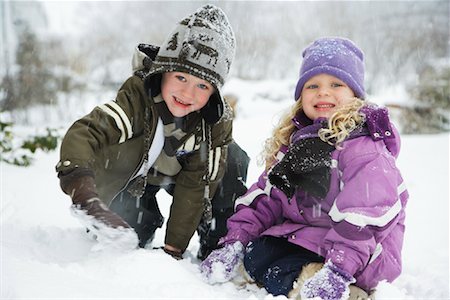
142,214
275,263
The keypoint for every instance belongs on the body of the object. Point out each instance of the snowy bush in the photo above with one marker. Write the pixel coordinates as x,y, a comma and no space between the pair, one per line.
431,114
20,152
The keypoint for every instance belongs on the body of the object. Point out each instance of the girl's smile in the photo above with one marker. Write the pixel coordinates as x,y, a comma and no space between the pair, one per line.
323,94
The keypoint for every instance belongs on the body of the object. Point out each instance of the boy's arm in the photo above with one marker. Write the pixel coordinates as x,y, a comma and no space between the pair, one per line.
188,198
111,123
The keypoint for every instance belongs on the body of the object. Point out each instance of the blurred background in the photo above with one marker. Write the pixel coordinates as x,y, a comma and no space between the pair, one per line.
59,59
56,54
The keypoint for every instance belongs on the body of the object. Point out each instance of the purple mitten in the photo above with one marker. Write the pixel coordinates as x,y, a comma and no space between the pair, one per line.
330,283
221,265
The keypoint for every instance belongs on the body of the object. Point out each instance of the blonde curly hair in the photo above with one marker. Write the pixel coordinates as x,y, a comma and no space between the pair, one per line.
340,125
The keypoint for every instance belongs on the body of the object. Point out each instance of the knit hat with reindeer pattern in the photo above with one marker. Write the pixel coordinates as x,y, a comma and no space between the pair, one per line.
203,45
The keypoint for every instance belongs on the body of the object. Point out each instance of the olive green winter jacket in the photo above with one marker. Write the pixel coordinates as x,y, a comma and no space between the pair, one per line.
109,143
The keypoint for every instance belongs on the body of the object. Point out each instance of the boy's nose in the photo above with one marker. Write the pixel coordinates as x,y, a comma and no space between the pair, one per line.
188,92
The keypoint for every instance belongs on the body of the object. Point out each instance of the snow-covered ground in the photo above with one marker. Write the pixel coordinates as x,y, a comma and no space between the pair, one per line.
45,253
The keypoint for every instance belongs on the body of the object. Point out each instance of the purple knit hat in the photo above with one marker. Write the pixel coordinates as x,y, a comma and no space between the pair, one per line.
335,56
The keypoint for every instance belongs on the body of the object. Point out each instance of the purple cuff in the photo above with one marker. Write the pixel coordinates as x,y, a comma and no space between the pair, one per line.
235,236
342,261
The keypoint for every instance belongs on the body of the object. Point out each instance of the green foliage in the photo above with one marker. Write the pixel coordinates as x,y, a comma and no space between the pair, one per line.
44,142
22,154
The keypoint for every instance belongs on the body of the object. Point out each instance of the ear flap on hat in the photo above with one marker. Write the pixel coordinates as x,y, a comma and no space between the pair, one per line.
152,84
213,110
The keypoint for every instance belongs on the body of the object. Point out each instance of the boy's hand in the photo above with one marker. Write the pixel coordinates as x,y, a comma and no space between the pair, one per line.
101,213
173,251
107,227
85,200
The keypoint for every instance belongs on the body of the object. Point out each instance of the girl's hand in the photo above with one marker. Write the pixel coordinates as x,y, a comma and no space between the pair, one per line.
330,283
222,264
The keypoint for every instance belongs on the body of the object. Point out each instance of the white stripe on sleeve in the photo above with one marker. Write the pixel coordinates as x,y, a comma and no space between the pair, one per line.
117,119
363,220
247,199
123,116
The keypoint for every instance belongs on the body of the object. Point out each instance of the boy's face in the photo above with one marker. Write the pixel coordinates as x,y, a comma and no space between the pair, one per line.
184,93
323,94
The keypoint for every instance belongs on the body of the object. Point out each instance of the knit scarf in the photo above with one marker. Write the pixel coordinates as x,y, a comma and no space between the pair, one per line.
176,131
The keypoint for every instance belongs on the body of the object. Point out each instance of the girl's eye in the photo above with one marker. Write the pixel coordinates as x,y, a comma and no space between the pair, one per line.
312,86
181,78
336,84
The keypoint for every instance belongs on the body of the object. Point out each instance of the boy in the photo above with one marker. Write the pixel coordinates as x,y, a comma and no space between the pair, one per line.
167,128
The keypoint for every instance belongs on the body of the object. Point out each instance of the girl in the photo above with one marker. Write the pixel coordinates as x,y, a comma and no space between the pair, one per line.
331,199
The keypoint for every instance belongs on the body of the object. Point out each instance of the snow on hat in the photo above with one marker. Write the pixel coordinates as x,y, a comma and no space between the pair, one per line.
203,45
335,56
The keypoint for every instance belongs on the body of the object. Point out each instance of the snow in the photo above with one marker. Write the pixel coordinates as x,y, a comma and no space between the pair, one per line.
46,254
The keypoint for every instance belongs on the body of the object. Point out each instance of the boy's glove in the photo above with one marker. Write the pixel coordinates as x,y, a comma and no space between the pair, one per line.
330,283
105,225
96,209
222,264
84,196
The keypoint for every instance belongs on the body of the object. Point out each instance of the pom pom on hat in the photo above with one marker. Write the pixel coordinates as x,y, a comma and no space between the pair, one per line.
335,56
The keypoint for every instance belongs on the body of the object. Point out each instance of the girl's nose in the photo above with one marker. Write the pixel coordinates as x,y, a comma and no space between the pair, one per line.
323,91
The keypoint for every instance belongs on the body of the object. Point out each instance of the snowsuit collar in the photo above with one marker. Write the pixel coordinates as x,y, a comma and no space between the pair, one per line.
307,162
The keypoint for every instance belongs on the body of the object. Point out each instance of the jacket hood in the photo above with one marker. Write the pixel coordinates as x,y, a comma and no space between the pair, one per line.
377,121
142,62
381,128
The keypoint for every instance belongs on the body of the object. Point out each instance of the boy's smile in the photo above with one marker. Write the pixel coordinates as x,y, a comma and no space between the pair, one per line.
184,93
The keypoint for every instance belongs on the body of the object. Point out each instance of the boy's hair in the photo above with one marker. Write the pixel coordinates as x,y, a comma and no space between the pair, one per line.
340,125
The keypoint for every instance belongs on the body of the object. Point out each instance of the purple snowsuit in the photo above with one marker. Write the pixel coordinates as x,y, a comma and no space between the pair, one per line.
359,225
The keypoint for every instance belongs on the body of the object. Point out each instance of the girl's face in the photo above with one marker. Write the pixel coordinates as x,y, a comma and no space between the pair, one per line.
184,93
323,94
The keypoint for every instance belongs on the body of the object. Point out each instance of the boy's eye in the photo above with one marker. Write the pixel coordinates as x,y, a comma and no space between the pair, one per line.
202,86
181,78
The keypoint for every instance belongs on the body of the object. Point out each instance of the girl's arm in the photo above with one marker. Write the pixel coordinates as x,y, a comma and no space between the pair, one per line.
256,211
370,205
